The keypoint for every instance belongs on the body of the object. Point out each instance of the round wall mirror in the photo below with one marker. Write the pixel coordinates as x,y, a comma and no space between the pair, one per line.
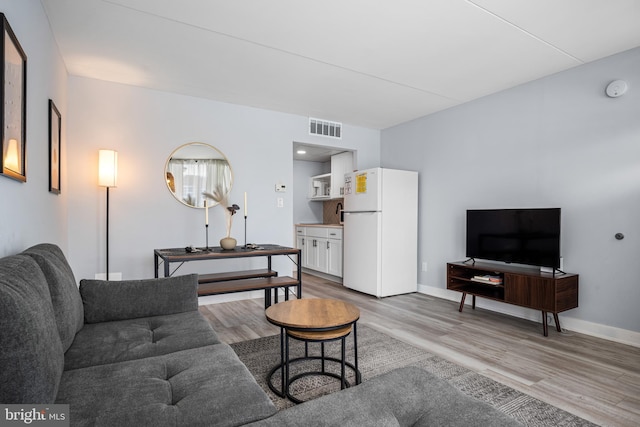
195,168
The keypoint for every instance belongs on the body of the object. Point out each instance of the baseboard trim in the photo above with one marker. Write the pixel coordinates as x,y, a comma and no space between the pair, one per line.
235,296
322,275
597,330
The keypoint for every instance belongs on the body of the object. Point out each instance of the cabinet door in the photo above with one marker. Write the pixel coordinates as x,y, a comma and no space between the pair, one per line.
533,292
334,258
340,164
323,255
313,253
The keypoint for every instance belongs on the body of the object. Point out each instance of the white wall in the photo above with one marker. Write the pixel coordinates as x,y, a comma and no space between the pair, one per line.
305,210
29,213
555,142
145,126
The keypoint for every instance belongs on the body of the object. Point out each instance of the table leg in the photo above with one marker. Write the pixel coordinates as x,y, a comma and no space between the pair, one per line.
343,379
285,377
267,298
355,353
557,320
464,295
166,268
155,265
545,327
299,274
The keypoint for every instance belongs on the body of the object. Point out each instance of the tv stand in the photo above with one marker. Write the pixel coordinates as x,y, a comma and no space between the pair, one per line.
548,292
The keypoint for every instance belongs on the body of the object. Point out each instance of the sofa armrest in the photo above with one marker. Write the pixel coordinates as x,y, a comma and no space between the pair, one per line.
128,299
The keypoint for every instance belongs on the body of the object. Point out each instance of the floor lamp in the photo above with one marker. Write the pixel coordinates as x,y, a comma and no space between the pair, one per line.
107,177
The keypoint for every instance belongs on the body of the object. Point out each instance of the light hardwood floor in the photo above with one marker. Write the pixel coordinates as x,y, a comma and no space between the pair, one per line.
596,379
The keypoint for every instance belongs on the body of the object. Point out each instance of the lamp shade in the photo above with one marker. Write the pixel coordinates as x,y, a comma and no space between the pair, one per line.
107,168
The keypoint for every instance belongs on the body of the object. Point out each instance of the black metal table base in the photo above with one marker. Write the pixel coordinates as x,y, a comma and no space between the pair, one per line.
285,364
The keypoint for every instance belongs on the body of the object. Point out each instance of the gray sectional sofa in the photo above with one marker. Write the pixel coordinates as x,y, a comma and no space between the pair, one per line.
138,353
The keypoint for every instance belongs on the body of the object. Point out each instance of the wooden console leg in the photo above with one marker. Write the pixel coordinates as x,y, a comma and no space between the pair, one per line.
464,295
473,302
557,320
545,327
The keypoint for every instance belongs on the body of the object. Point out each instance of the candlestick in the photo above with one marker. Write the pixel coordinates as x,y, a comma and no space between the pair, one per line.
206,213
245,204
245,230
206,228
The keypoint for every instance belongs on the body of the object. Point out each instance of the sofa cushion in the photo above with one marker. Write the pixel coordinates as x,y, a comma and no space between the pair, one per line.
405,397
106,301
199,387
31,354
63,288
109,342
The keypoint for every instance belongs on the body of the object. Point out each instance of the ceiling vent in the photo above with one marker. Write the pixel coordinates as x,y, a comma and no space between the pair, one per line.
325,128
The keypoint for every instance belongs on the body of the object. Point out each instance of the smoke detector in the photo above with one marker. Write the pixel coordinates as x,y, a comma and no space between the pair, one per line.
616,88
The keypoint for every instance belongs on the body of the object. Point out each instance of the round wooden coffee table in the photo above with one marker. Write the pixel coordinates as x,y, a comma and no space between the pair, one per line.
313,320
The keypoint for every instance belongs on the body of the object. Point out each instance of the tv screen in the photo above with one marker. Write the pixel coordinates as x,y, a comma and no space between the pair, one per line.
523,236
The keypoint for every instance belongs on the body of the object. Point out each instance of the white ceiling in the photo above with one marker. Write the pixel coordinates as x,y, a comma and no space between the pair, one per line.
373,63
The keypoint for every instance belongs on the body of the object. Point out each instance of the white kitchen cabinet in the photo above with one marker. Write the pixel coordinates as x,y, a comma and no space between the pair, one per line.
321,249
331,185
340,164
301,237
334,255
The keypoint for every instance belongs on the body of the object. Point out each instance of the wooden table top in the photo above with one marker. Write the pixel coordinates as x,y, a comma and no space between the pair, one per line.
315,314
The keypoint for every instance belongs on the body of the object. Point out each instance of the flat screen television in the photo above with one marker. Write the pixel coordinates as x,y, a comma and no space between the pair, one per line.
522,236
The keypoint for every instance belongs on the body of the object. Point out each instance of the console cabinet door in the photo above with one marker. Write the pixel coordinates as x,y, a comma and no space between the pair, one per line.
533,292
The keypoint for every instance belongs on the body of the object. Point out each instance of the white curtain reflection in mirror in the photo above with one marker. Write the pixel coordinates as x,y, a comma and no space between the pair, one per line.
189,178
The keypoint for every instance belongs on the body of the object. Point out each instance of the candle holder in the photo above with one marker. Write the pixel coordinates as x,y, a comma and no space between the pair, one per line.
245,232
206,237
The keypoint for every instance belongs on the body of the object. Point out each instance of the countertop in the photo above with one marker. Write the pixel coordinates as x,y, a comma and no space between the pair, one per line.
320,225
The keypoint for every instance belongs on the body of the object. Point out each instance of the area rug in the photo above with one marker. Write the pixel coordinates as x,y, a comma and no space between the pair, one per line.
379,353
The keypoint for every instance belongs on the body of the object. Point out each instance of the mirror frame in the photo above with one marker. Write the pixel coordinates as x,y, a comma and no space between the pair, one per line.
166,170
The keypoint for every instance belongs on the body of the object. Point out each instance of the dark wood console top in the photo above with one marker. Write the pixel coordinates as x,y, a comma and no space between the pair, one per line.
506,268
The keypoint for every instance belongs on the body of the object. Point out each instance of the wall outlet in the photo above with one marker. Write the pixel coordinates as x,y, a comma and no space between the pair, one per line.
424,265
280,202
280,188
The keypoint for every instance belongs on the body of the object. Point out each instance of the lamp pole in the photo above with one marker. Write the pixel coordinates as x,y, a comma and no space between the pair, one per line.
107,237
107,177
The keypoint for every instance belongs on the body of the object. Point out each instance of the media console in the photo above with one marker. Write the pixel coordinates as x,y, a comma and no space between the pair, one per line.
547,292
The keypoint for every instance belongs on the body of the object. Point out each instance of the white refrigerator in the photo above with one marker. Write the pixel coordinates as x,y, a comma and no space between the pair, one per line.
381,231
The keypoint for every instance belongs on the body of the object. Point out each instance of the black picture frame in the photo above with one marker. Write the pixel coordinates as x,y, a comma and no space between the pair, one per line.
13,105
55,133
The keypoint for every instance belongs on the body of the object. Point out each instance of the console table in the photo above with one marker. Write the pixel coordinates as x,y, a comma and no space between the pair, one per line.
265,279
547,292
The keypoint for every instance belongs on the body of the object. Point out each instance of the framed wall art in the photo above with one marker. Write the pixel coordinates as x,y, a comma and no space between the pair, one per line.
55,124
13,105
